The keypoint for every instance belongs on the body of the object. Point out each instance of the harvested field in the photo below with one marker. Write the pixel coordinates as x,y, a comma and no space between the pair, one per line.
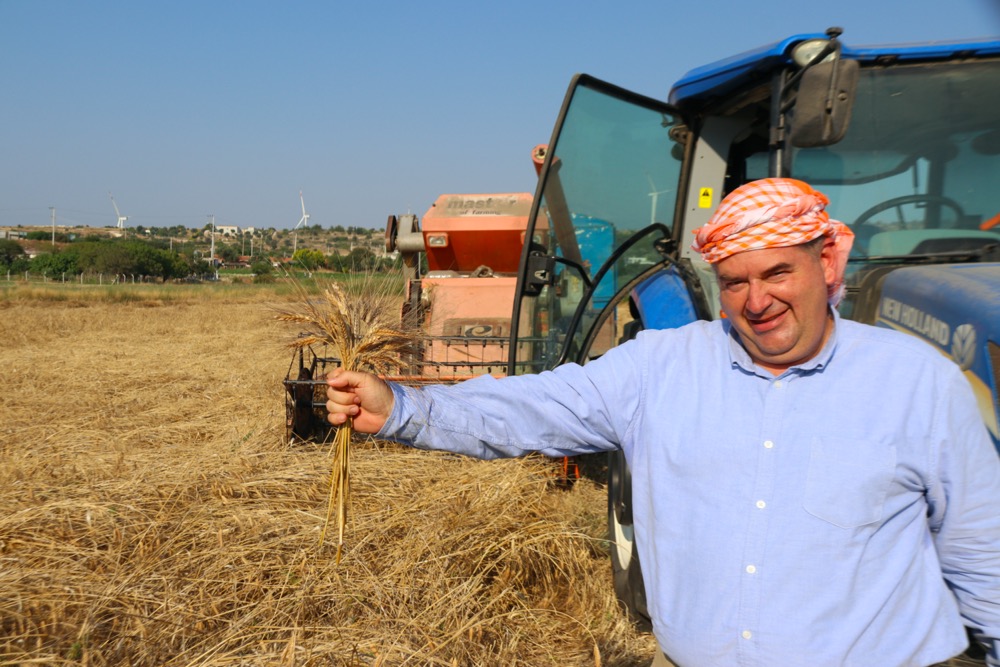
151,514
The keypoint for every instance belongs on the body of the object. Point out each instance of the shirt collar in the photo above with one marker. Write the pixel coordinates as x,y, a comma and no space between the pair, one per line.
739,357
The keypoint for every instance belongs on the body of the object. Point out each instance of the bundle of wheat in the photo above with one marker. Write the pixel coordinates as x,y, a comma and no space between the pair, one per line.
364,329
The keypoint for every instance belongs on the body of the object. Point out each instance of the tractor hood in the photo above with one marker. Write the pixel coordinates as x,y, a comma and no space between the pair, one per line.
955,308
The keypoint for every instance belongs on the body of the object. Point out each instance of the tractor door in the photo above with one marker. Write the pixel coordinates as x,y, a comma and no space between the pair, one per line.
600,235
602,221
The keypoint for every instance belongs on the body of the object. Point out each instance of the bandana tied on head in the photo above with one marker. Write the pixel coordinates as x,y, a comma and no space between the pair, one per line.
774,213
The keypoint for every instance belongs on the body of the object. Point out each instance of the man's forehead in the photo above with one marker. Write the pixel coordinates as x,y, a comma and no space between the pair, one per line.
761,260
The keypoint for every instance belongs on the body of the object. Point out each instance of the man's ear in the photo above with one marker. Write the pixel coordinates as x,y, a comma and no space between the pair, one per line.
828,259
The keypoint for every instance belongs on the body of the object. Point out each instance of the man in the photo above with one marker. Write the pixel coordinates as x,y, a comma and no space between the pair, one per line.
806,490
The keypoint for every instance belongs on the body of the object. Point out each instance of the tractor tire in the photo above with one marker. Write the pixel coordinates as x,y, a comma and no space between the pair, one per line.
627,571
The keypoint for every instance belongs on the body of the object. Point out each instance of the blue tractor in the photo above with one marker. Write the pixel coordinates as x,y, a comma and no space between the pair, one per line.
904,140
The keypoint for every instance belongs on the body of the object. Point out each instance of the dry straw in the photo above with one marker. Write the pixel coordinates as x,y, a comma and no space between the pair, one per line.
164,521
364,329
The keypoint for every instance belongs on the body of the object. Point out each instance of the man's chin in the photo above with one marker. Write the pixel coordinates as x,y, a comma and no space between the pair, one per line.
775,354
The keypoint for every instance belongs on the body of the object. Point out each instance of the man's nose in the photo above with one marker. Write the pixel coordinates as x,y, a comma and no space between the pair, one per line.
758,297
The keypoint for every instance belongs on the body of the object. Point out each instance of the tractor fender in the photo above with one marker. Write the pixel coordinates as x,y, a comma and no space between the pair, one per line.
956,309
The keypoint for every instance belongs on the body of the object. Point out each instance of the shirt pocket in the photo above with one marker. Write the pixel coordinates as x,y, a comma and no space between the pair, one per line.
848,480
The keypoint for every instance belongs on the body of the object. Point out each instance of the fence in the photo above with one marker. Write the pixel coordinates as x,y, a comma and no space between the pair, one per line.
92,278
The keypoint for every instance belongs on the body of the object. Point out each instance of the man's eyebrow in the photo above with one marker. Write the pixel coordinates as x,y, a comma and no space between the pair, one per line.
780,266
725,277
769,271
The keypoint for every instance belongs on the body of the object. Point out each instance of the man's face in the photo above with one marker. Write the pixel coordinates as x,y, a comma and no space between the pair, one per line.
776,299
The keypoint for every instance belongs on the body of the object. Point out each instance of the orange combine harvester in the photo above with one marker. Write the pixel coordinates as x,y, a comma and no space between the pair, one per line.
460,264
465,295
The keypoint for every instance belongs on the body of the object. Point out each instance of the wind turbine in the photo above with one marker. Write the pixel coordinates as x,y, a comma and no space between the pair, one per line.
303,221
121,218
654,196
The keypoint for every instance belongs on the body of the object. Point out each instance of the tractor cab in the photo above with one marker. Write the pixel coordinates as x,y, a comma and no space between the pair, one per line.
905,141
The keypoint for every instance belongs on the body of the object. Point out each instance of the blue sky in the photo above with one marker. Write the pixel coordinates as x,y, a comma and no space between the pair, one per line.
187,108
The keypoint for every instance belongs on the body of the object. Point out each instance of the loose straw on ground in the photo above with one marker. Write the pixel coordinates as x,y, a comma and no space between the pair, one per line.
177,527
364,329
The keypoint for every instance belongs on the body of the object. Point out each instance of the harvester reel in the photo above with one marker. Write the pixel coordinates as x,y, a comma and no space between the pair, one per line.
300,418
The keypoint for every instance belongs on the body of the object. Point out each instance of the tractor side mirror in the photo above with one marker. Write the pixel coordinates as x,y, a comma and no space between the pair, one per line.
823,104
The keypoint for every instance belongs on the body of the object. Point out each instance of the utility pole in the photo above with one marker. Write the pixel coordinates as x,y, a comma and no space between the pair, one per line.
212,253
53,209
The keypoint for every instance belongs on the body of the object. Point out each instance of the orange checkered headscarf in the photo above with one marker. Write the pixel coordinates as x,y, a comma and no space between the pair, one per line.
774,213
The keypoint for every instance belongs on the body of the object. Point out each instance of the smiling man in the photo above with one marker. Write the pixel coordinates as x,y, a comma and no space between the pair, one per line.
774,297
762,293
806,490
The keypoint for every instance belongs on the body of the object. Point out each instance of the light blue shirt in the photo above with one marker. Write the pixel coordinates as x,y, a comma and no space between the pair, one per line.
844,513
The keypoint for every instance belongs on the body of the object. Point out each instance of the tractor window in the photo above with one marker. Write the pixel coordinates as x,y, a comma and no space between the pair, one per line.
607,194
920,154
915,173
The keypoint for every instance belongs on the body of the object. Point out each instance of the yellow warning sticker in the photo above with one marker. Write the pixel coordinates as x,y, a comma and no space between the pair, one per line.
705,198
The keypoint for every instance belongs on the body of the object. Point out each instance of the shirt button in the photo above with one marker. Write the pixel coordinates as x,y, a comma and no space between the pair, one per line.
777,384
747,634
768,444
760,504
751,569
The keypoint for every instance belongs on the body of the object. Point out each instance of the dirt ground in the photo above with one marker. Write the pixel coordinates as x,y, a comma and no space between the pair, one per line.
151,513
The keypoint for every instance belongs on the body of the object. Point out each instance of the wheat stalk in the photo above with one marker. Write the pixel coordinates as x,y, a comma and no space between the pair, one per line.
364,329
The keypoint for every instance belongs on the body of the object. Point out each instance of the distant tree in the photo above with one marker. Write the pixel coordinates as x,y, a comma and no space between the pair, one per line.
263,271
360,259
10,250
261,267
160,244
309,259
229,253
20,265
132,257
61,237
335,262
55,263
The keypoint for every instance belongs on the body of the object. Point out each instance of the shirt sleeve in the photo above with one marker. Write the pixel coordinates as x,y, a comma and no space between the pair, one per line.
571,410
965,513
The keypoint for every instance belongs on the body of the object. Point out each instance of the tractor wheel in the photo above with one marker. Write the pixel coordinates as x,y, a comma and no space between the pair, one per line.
629,589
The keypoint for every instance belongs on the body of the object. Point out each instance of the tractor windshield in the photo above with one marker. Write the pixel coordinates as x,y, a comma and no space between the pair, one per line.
915,175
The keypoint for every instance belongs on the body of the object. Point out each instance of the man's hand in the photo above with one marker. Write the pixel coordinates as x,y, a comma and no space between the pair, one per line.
362,397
